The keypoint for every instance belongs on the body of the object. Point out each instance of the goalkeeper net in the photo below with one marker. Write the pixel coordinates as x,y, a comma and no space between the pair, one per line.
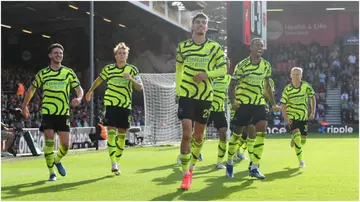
162,125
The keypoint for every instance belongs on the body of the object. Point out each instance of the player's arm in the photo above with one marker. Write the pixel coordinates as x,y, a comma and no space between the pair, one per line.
37,83
102,77
311,94
95,84
284,101
75,84
220,65
179,69
268,93
136,82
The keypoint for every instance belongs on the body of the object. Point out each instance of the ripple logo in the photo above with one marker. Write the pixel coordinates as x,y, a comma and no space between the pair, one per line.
274,30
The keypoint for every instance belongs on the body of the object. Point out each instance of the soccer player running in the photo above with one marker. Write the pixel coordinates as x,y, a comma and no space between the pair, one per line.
198,61
253,85
120,78
217,114
56,81
294,107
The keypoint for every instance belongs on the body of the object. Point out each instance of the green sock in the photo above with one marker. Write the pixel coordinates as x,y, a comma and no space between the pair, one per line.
221,150
195,152
243,147
298,147
185,160
233,145
258,147
303,141
120,146
250,145
49,154
111,144
62,151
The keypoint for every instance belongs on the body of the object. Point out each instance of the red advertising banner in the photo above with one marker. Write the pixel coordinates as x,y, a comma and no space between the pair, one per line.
247,14
285,28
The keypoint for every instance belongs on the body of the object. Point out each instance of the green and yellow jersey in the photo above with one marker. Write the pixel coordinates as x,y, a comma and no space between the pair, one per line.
221,85
297,100
193,58
56,86
250,80
119,90
272,86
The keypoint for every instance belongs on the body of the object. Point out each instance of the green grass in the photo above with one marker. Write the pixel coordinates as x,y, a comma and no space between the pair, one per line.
332,173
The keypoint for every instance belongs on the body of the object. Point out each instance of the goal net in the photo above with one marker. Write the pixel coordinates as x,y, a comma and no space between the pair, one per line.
162,125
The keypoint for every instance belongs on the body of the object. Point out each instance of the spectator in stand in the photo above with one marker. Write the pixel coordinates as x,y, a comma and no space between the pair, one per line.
352,58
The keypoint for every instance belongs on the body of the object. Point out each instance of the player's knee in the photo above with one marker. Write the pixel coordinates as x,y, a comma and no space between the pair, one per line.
261,126
295,131
222,134
303,137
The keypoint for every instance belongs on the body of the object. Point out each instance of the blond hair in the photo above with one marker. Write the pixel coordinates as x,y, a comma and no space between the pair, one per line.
297,68
121,45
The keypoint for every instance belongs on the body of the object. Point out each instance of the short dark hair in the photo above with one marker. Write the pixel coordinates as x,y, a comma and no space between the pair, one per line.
255,39
55,45
200,15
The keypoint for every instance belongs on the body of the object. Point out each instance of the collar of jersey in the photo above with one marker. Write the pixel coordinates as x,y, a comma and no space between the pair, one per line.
126,64
206,40
301,83
250,61
56,70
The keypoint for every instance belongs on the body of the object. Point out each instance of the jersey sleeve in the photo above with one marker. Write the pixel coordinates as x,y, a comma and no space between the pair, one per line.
238,72
220,60
104,74
179,56
310,91
268,70
284,97
38,81
136,75
74,81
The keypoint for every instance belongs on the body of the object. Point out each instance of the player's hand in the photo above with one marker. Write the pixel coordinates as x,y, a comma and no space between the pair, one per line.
127,76
202,76
312,116
289,122
75,102
25,112
88,96
177,99
276,108
235,106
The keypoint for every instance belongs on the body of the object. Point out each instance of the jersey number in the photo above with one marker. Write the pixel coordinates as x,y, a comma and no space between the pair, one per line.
206,113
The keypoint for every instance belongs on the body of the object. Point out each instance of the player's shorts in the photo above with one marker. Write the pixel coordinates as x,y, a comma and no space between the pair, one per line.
219,120
195,110
248,114
117,117
58,123
301,125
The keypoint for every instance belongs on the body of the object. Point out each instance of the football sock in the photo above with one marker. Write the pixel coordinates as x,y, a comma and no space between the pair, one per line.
120,146
62,151
221,150
233,144
49,154
111,145
298,146
195,152
303,141
250,145
185,160
258,147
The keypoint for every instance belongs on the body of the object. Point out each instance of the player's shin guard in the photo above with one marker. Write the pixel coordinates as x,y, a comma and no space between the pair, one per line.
221,150
258,147
111,145
303,141
298,145
250,145
62,151
49,154
233,144
195,152
185,160
120,146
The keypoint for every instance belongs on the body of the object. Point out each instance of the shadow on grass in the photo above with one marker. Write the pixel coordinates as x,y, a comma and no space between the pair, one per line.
15,190
218,188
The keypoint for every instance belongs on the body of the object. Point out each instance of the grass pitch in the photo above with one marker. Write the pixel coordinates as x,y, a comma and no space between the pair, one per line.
332,173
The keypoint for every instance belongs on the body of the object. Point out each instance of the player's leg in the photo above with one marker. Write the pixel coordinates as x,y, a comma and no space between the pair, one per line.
185,114
250,141
222,126
123,124
260,126
242,148
110,123
238,124
201,115
63,130
47,126
302,125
